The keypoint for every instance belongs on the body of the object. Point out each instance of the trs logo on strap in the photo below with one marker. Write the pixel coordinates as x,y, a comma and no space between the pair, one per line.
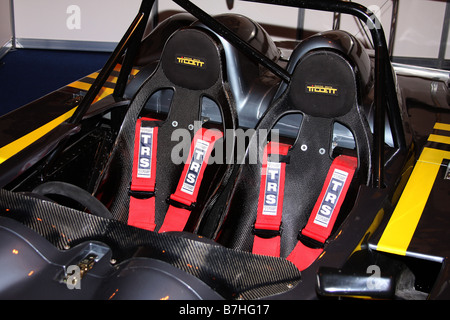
272,188
331,198
195,166
145,152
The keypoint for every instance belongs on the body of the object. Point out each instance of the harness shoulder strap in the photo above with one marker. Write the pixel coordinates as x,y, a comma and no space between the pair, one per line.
267,228
142,188
325,212
183,200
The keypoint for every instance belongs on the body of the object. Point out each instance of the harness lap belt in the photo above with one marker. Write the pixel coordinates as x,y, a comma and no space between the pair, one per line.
183,200
325,212
267,228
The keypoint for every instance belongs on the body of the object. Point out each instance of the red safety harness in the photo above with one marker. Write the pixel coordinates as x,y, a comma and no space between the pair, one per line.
182,201
267,228
321,221
142,189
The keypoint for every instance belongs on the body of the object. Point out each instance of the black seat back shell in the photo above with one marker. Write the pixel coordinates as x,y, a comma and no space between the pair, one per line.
324,89
192,66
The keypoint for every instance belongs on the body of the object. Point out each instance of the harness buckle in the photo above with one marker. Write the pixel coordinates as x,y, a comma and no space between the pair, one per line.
309,242
266,233
140,194
180,205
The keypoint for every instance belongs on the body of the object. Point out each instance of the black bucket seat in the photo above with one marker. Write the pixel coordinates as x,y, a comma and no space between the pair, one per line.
330,75
191,68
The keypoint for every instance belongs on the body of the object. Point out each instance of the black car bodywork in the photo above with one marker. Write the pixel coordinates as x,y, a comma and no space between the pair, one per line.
65,175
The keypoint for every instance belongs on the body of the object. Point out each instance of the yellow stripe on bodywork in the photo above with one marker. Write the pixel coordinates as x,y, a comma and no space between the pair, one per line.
442,126
112,79
16,146
103,91
80,85
439,138
403,222
85,86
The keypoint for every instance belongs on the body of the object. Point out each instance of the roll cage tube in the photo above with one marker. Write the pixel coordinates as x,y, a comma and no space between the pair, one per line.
385,93
130,43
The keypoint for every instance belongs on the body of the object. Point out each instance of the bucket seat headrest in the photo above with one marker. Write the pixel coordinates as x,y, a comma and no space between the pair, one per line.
325,85
191,59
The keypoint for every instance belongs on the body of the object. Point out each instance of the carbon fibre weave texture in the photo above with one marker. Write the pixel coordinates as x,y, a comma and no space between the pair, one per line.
233,274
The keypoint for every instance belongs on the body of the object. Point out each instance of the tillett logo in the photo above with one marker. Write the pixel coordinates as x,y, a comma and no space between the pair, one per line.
321,89
194,62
